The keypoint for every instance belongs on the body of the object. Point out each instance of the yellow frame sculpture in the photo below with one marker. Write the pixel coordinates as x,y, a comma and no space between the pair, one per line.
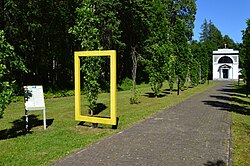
113,119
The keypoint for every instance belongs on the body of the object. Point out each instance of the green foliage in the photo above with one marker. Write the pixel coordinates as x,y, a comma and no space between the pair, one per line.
229,42
38,32
206,60
157,68
96,28
5,96
171,72
157,46
197,63
195,72
58,94
85,29
205,28
216,36
181,51
135,98
87,33
126,84
184,11
210,33
9,62
91,69
45,34
245,55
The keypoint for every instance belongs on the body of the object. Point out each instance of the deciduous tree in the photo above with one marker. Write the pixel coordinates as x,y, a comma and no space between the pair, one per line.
97,28
158,47
245,55
9,64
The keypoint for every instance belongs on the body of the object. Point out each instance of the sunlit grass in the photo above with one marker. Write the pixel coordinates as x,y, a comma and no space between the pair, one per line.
64,135
241,128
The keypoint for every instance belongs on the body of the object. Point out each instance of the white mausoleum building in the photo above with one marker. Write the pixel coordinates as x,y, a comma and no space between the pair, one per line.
225,64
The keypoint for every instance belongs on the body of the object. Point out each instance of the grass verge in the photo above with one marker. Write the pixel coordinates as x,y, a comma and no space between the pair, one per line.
65,135
241,127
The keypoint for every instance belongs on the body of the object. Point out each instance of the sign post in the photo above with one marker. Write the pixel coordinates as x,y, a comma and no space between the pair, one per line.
34,100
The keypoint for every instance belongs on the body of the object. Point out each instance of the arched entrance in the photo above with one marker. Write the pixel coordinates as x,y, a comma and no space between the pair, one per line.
226,67
225,59
224,71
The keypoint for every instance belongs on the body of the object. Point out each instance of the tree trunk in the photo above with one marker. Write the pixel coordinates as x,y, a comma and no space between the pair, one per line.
247,88
187,78
178,86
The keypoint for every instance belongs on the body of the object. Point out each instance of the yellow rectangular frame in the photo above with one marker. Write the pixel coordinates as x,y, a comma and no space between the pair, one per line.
113,119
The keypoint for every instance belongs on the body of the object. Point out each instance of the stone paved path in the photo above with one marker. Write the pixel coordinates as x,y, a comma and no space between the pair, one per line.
194,132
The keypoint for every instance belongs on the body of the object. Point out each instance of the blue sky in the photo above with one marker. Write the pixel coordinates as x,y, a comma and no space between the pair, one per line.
229,16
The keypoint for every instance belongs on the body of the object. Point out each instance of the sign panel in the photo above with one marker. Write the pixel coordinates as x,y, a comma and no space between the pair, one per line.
33,96
34,100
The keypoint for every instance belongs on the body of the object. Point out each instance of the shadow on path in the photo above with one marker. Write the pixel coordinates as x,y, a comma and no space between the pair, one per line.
217,163
228,100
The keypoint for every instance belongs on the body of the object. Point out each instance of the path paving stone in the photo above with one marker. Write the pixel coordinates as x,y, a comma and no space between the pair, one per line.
194,132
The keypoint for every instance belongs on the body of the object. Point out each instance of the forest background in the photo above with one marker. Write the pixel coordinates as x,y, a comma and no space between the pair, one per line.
153,40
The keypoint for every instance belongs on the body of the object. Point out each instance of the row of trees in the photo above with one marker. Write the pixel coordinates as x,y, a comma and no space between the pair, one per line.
153,40
245,56
153,33
45,34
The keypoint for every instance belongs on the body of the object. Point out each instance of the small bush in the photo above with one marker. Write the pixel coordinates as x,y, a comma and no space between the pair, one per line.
125,85
135,99
57,94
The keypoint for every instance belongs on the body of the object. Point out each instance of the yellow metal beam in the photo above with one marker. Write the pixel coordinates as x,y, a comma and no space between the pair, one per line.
112,120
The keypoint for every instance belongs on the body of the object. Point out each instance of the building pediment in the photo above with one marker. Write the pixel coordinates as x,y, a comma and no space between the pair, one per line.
225,51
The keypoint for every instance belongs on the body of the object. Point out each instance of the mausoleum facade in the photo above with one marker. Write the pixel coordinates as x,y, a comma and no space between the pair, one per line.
225,64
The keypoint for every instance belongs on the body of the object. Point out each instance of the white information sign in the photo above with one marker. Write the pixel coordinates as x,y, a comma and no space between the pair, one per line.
33,96
34,100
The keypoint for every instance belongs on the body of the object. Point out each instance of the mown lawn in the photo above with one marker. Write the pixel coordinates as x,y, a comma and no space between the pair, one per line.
64,135
241,127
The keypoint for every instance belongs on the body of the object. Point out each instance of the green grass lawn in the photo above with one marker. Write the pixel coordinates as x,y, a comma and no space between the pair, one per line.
241,127
64,135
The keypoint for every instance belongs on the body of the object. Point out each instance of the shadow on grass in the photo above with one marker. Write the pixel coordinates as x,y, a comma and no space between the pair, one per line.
92,125
99,108
240,90
167,91
228,101
235,94
152,95
217,163
18,128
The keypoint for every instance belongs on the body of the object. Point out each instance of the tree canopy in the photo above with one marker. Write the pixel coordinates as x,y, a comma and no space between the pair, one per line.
153,40
10,63
245,55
